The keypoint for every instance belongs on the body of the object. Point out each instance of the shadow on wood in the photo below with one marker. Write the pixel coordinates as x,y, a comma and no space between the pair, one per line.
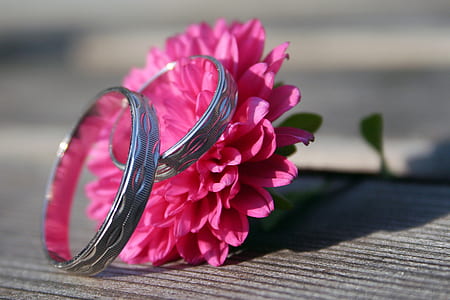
354,208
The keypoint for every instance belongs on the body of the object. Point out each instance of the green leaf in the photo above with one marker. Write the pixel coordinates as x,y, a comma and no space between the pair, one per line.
278,84
286,150
298,203
371,128
281,202
307,121
271,222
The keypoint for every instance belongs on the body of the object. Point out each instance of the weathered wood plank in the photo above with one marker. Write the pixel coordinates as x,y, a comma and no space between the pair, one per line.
374,239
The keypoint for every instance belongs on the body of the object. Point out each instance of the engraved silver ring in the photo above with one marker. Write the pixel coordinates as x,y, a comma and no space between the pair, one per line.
132,194
204,133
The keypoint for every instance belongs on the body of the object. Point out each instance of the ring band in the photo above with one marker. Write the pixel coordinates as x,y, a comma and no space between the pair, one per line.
205,133
131,197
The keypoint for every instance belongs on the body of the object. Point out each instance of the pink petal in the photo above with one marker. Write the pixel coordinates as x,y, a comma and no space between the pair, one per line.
136,250
229,193
101,165
276,57
175,207
170,256
190,77
227,156
201,40
251,143
233,228
203,101
187,246
98,209
227,52
248,115
203,210
102,193
210,77
230,156
250,38
253,201
215,208
202,46
176,47
156,214
135,79
289,136
155,61
281,100
160,245
224,179
272,172
187,184
256,81
268,145
214,251
220,27
150,244
192,218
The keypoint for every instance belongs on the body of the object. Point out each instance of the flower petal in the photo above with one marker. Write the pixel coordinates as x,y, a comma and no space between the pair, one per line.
202,211
99,163
256,81
250,38
274,171
213,250
188,248
276,57
268,145
253,201
156,214
233,228
215,209
228,193
153,244
224,179
218,161
281,100
289,136
227,52
192,218
201,40
250,144
220,27
135,251
249,114
160,245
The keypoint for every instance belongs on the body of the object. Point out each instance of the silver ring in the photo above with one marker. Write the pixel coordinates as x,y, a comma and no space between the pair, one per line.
131,197
204,134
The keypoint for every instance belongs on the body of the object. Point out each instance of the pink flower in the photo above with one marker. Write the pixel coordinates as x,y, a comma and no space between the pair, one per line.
197,214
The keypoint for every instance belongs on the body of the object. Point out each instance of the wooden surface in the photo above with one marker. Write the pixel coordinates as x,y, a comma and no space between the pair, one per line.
364,239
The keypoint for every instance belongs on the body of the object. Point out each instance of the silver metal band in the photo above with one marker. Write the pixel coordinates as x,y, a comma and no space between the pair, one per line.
131,197
204,133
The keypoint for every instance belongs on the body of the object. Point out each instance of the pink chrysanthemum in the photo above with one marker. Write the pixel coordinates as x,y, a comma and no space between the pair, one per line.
197,214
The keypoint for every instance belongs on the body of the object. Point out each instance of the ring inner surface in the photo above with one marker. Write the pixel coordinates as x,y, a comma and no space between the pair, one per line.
72,155
181,96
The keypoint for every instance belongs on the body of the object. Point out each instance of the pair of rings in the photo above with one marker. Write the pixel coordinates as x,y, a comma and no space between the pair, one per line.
143,167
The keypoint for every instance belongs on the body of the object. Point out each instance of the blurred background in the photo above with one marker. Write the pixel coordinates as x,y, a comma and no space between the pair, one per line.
349,57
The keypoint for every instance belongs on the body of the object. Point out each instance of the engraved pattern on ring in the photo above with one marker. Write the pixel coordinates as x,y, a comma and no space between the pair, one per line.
205,133
131,198
184,154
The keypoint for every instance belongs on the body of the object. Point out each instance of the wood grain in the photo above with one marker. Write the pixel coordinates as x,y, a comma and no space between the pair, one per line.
369,239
